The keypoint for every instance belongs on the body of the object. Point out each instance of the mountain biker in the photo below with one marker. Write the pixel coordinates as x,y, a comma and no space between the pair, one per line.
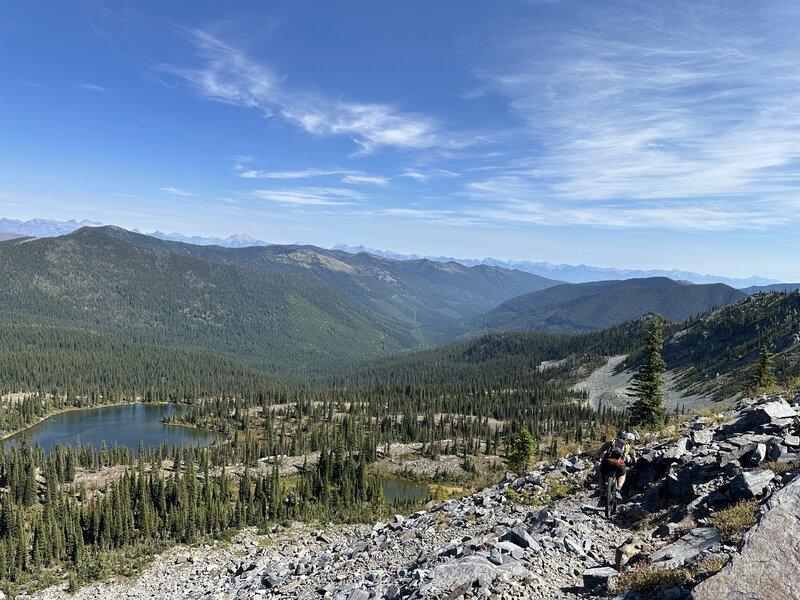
614,457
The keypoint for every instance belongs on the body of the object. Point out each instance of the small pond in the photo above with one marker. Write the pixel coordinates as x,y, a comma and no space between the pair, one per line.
401,491
127,425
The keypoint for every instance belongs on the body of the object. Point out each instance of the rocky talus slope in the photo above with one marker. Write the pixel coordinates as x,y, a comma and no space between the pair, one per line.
538,536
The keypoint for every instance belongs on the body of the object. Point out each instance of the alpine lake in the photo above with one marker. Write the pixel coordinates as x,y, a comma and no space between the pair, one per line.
135,425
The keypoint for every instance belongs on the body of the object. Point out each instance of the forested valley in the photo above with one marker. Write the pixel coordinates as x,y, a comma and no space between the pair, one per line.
309,445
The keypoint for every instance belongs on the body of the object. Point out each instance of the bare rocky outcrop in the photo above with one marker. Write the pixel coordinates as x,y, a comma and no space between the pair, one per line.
768,566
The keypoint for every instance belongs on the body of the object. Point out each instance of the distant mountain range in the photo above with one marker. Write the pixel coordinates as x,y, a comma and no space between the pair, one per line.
277,307
602,304
559,272
42,227
11,228
237,240
575,273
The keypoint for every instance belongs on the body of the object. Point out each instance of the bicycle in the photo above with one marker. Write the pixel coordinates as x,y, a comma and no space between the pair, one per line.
611,495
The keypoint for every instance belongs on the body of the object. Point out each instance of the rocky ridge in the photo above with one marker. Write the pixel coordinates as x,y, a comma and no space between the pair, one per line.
537,536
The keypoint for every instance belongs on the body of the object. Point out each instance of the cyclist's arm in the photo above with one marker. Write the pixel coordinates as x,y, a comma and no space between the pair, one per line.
604,448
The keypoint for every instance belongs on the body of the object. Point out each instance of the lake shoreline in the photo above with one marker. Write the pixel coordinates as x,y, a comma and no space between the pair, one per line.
6,436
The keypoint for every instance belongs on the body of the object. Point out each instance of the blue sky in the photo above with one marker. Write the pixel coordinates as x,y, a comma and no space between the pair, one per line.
628,134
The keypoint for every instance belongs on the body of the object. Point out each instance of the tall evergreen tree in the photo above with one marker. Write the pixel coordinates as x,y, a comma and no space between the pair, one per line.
648,385
764,376
521,451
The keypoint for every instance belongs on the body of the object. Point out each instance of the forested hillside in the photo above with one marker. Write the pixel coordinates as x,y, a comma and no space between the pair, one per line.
496,360
273,320
426,299
719,350
80,363
602,304
774,287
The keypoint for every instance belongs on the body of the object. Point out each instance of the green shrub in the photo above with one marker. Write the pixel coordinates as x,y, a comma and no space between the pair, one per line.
734,521
779,468
645,578
558,489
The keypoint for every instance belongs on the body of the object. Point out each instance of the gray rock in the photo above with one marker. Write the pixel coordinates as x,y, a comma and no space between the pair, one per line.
672,593
460,591
667,530
775,451
574,546
750,484
678,485
510,548
771,411
270,582
768,566
473,568
689,546
703,437
791,440
519,536
678,450
600,579
496,556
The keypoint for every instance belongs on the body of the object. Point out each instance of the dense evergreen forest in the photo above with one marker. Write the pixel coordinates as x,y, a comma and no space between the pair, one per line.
50,522
82,363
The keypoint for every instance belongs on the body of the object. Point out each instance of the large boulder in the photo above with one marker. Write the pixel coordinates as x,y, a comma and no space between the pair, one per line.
703,437
519,536
689,546
750,484
600,579
771,411
473,569
768,566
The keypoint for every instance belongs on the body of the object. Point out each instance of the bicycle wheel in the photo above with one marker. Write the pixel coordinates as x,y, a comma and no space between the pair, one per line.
611,496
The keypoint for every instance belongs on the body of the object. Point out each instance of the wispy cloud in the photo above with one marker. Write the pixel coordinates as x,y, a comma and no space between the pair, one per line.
308,196
176,191
431,216
671,116
301,174
424,176
518,200
91,87
360,179
228,74
347,176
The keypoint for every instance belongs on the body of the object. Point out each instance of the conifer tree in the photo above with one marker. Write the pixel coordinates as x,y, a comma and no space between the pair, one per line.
521,451
648,385
764,376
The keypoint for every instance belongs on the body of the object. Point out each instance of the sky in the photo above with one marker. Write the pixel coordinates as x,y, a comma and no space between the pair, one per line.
617,134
